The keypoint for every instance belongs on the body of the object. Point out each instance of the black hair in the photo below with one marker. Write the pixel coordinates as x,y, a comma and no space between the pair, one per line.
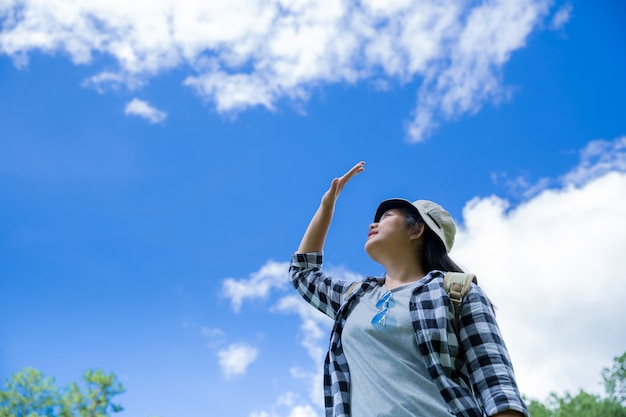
434,255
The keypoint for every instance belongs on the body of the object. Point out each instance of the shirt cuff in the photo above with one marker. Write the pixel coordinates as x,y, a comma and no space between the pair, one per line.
307,260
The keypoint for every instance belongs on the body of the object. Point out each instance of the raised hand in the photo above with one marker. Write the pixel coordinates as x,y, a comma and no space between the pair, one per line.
337,184
315,235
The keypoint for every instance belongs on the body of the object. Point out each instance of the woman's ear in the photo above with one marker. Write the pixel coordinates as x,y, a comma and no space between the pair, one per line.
418,231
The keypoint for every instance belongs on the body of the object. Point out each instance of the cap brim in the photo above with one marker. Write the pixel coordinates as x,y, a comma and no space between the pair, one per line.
393,203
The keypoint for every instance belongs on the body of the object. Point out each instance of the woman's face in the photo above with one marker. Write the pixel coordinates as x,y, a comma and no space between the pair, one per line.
389,233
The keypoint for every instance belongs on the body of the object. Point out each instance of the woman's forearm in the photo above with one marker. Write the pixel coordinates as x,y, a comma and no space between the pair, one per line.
315,235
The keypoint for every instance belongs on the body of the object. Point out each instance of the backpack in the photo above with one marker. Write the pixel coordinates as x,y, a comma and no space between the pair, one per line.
456,284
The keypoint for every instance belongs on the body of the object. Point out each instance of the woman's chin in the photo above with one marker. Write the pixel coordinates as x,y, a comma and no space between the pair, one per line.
370,248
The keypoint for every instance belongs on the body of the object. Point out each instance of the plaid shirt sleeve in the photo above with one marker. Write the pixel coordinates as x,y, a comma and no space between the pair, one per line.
487,359
318,289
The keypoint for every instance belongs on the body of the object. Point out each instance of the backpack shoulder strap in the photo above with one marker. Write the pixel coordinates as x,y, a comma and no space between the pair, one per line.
457,285
352,288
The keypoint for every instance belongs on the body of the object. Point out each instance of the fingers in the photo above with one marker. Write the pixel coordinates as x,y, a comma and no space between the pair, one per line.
360,167
337,184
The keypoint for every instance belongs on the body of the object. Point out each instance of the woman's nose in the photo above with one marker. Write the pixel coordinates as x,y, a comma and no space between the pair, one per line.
373,226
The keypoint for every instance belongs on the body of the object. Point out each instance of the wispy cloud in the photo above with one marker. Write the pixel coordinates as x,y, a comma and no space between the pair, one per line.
258,285
303,411
286,406
470,74
314,325
214,337
596,159
113,80
561,17
246,53
314,330
235,359
143,109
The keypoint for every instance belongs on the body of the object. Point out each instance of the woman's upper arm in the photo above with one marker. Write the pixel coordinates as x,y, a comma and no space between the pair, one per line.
318,289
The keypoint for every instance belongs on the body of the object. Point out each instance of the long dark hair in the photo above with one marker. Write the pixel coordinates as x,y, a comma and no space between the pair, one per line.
434,255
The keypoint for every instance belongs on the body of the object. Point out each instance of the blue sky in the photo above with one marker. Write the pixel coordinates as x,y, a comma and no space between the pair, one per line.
160,161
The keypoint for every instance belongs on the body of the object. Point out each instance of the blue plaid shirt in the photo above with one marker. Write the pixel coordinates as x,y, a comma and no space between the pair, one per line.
479,364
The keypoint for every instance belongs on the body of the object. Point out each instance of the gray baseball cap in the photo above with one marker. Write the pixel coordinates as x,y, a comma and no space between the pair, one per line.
435,216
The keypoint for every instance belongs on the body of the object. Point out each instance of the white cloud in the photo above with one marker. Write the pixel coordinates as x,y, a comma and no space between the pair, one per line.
314,330
314,325
286,406
296,411
143,109
247,53
113,80
271,275
492,31
235,359
553,267
303,411
598,158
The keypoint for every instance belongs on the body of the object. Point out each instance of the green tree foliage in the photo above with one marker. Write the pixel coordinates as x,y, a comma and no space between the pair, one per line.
615,380
29,394
589,405
538,409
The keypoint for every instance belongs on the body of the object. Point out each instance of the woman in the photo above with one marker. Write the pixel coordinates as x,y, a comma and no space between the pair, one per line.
393,349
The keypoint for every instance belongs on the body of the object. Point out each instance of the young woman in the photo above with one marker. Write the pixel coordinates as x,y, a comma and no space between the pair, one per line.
393,349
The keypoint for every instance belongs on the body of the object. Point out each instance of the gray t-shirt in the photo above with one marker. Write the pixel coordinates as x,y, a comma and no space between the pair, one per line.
387,372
